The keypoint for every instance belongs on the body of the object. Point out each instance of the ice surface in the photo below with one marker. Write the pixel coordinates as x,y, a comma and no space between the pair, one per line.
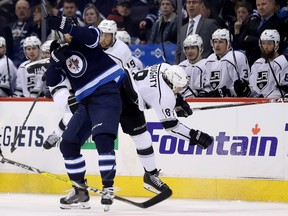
44,205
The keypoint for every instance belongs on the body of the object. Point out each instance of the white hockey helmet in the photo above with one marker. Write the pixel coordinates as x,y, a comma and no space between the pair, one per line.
270,35
176,77
124,36
2,41
32,41
193,40
222,34
46,46
108,26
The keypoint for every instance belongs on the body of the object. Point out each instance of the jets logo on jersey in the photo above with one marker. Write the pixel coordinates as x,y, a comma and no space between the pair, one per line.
215,79
262,79
76,64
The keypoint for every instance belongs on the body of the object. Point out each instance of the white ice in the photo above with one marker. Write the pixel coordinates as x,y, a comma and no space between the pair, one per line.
48,205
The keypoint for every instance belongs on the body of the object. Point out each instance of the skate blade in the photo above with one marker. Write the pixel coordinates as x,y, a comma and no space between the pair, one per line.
151,189
80,205
106,208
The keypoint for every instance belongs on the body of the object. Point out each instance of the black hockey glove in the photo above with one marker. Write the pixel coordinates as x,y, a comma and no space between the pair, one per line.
221,92
202,93
283,88
241,87
200,138
182,108
59,56
72,103
62,24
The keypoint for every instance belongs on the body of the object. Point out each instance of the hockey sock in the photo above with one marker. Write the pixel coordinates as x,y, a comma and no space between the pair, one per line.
76,168
145,150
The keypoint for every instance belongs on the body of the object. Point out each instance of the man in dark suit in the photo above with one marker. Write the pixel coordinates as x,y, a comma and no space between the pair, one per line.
249,38
199,25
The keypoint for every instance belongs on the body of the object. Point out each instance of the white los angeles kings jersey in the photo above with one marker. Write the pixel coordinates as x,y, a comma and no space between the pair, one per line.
223,72
262,80
121,54
7,75
154,92
195,74
28,83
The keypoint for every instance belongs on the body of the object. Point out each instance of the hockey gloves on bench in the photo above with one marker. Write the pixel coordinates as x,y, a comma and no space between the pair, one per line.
182,108
59,56
62,24
221,92
241,87
200,138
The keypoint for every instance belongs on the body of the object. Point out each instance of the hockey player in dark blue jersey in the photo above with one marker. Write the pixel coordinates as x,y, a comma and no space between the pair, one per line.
95,79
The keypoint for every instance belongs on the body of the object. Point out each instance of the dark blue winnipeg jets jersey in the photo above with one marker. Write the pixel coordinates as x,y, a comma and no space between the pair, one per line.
89,66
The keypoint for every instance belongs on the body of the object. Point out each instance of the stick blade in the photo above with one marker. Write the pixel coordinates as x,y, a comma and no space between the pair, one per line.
151,202
158,198
13,148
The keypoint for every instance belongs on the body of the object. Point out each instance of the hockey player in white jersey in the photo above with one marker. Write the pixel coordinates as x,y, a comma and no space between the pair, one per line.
115,48
125,37
224,67
7,72
269,71
194,65
29,84
45,49
156,88
132,119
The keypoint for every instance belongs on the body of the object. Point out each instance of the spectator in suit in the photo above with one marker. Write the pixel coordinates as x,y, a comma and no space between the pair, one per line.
202,26
249,38
164,30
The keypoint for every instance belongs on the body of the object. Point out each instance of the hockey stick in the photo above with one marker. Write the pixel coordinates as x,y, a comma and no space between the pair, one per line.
275,78
47,13
13,144
9,77
233,52
151,202
280,100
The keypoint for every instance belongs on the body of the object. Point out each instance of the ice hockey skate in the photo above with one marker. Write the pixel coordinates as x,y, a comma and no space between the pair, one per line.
153,183
77,198
51,141
107,198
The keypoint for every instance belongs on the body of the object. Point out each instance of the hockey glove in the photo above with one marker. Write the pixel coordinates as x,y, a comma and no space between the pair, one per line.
62,24
72,103
221,92
59,56
200,138
182,108
241,87
283,88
